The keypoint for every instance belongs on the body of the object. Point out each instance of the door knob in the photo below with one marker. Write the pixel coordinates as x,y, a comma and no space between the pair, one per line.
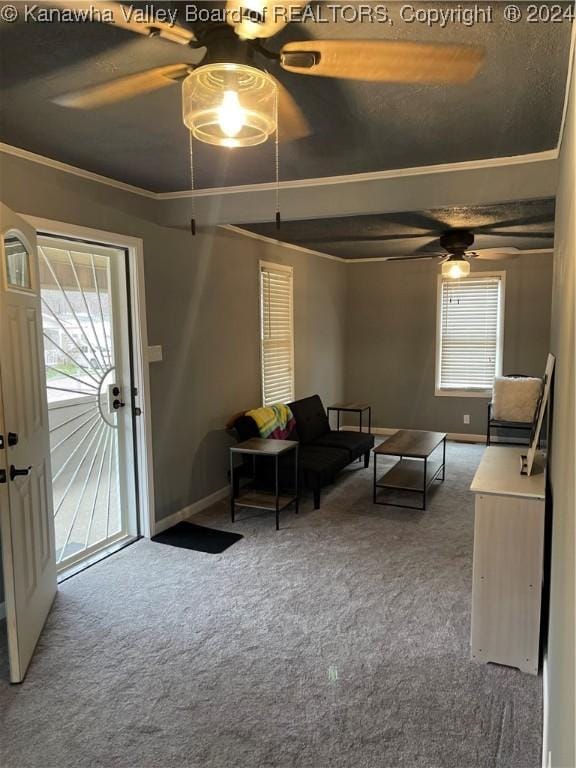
18,472
118,404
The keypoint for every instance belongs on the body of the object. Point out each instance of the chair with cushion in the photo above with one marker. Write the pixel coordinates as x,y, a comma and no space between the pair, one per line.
514,401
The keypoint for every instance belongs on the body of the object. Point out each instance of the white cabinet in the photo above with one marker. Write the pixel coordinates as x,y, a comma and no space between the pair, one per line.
508,560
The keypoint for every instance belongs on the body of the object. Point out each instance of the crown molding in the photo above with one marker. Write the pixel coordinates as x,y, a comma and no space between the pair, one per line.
352,178
467,165
25,154
273,241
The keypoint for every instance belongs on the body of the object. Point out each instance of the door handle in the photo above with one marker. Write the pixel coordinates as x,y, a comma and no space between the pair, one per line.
18,472
118,404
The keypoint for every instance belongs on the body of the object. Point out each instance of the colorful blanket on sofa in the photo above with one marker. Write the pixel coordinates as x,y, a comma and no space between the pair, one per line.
274,421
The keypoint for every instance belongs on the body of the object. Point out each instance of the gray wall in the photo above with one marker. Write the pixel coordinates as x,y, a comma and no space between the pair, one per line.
391,341
202,307
560,653
204,311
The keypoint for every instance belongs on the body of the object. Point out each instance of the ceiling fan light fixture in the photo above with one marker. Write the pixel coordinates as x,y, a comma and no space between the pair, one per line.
229,104
456,268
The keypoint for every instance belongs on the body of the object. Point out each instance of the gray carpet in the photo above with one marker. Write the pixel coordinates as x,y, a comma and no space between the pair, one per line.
339,642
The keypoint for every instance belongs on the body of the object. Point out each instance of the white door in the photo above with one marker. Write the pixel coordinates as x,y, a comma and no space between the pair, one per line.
26,516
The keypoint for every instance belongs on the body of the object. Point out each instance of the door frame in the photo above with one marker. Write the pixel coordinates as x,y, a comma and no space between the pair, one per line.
143,424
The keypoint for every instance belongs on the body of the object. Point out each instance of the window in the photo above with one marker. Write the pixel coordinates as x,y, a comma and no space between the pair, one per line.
17,262
276,333
470,333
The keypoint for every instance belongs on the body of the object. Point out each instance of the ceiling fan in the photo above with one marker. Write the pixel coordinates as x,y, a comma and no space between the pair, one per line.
229,99
455,256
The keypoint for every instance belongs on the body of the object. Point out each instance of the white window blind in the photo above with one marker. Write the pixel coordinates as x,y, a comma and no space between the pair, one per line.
276,333
470,333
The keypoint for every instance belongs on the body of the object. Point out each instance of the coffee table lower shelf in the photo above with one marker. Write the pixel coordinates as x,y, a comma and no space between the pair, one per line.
412,475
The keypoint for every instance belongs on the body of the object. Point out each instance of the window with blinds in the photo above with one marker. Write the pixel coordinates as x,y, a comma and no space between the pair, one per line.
276,333
470,333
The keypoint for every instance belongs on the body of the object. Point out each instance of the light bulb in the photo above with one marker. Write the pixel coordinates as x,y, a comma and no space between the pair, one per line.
231,116
455,269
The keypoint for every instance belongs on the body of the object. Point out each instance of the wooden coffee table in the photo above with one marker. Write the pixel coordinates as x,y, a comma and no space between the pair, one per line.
418,467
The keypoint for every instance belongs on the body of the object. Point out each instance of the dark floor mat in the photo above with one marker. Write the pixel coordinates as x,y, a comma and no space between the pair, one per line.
198,537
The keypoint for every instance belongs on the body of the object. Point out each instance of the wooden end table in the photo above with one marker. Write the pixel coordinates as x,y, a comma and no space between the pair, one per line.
416,471
248,497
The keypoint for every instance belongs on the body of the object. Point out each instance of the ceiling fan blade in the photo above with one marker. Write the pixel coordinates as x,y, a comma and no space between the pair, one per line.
292,124
254,19
141,21
365,238
414,257
495,254
519,235
123,88
386,61
519,222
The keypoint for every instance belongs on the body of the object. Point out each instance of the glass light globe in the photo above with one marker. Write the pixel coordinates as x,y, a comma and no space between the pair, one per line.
229,105
455,268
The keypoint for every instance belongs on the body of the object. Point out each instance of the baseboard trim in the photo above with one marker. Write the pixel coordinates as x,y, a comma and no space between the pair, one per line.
2,611
460,437
465,437
190,510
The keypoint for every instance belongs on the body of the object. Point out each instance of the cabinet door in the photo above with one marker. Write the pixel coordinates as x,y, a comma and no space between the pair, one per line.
507,581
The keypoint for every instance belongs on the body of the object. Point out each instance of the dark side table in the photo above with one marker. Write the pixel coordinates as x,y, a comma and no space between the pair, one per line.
257,499
359,408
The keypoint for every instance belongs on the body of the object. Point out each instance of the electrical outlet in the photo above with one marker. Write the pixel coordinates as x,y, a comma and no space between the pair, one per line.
466,418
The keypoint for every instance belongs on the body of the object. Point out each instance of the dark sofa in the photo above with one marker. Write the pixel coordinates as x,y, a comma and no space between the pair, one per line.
322,452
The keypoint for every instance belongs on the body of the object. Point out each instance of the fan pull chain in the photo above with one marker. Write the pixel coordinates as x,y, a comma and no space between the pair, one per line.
277,163
193,198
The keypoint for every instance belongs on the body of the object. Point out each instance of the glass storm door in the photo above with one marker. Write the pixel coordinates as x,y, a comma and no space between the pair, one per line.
88,384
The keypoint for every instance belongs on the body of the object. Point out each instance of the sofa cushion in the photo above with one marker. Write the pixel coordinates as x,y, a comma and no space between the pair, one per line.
320,465
311,419
356,443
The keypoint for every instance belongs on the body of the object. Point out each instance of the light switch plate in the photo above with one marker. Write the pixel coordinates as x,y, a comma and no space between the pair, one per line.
155,354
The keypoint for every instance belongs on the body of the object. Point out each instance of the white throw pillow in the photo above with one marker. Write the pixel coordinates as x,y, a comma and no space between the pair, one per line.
515,399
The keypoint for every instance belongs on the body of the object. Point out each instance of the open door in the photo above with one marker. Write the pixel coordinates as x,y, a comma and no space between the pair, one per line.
26,517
